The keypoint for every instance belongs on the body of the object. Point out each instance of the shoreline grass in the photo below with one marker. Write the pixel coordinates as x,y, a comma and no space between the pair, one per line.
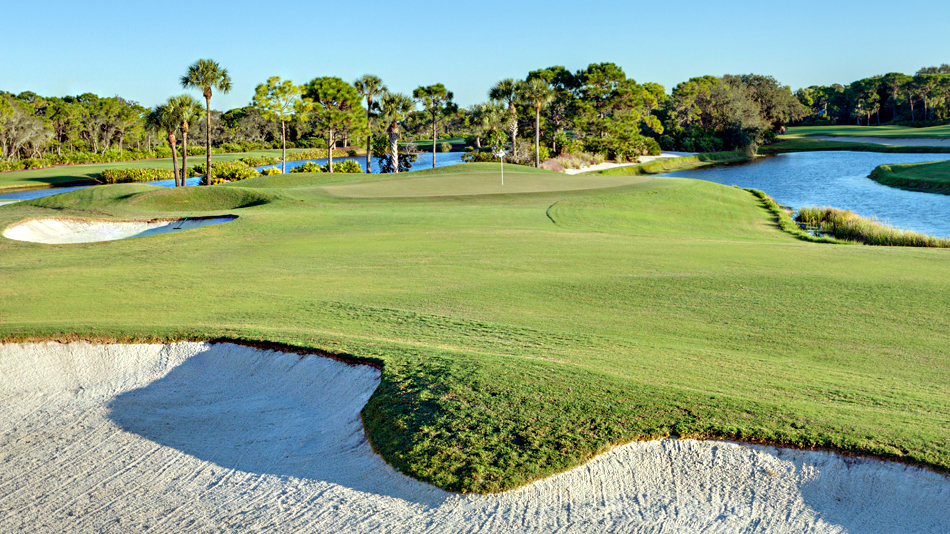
849,226
520,335
931,177
665,165
804,144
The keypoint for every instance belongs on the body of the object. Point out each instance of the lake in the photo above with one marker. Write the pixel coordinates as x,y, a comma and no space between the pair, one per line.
840,180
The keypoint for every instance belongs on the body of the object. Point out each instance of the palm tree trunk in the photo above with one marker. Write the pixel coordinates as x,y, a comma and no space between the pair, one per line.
207,96
184,158
537,136
394,148
369,136
331,140
433,139
171,143
283,147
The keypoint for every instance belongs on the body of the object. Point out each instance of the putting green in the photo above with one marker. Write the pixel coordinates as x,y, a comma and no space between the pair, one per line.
479,183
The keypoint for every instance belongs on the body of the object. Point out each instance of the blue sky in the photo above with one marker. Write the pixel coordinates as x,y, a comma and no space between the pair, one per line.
139,50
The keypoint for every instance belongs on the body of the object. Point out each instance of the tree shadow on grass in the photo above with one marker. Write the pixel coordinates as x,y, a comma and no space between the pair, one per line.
269,413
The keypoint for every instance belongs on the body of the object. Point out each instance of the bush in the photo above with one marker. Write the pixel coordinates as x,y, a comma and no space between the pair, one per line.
270,171
352,153
345,166
473,155
231,171
308,167
850,226
445,147
260,161
125,176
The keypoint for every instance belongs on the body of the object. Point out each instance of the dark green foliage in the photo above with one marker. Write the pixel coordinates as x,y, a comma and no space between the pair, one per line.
260,161
345,166
124,176
309,166
231,171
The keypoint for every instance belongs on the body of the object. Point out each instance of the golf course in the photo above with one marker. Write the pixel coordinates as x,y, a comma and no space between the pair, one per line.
520,334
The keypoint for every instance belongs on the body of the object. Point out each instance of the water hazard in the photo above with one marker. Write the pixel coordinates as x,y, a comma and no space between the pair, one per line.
840,180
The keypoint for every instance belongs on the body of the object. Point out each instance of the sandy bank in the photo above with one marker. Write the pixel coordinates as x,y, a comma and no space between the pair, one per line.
193,437
889,141
55,231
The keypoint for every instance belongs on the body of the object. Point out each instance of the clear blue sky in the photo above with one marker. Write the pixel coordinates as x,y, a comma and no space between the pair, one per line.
139,50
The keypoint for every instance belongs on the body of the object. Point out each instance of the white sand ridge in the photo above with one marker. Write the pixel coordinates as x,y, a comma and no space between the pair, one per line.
59,231
192,437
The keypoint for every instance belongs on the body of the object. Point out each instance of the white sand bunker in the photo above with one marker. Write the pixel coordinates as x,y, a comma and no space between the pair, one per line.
193,437
55,231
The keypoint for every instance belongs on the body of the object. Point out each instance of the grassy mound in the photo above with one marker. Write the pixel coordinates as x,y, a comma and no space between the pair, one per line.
145,198
519,335
933,177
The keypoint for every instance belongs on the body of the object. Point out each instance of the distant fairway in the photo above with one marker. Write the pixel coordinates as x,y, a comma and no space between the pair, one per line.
871,131
479,180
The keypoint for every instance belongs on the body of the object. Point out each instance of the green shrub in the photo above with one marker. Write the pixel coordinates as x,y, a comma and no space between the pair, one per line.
315,154
270,171
308,167
231,171
352,153
445,147
124,176
345,166
260,161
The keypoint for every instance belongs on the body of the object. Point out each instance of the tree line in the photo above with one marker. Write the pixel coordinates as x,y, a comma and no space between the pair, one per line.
921,99
548,112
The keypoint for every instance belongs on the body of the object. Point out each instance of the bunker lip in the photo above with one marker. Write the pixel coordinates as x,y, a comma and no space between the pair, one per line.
69,230
154,443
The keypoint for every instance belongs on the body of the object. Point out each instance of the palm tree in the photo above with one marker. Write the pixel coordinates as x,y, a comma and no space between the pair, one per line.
188,111
487,118
507,91
537,93
437,100
163,118
206,74
368,86
394,108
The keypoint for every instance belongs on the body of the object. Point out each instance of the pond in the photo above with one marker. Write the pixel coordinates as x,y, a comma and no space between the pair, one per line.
423,161
840,180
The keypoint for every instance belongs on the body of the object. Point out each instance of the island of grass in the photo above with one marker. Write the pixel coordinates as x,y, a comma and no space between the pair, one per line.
932,177
521,331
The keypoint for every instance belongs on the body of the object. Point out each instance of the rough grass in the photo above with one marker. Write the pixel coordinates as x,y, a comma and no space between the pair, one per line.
519,335
850,226
933,177
871,131
804,144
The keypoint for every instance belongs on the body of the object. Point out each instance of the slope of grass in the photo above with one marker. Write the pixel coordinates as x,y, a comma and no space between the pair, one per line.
871,131
933,177
804,144
665,165
519,335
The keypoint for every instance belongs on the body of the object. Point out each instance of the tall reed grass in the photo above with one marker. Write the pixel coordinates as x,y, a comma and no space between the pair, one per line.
850,226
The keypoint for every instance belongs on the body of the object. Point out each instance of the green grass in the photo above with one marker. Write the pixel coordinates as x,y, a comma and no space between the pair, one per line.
665,165
427,143
849,226
871,131
87,174
804,144
933,177
520,334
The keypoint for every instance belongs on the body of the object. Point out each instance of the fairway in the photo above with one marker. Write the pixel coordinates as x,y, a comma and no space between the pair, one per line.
518,336
871,131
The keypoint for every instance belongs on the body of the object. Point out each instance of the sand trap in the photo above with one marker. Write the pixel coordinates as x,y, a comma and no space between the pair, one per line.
889,141
193,437
5,202
55,231
643,159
